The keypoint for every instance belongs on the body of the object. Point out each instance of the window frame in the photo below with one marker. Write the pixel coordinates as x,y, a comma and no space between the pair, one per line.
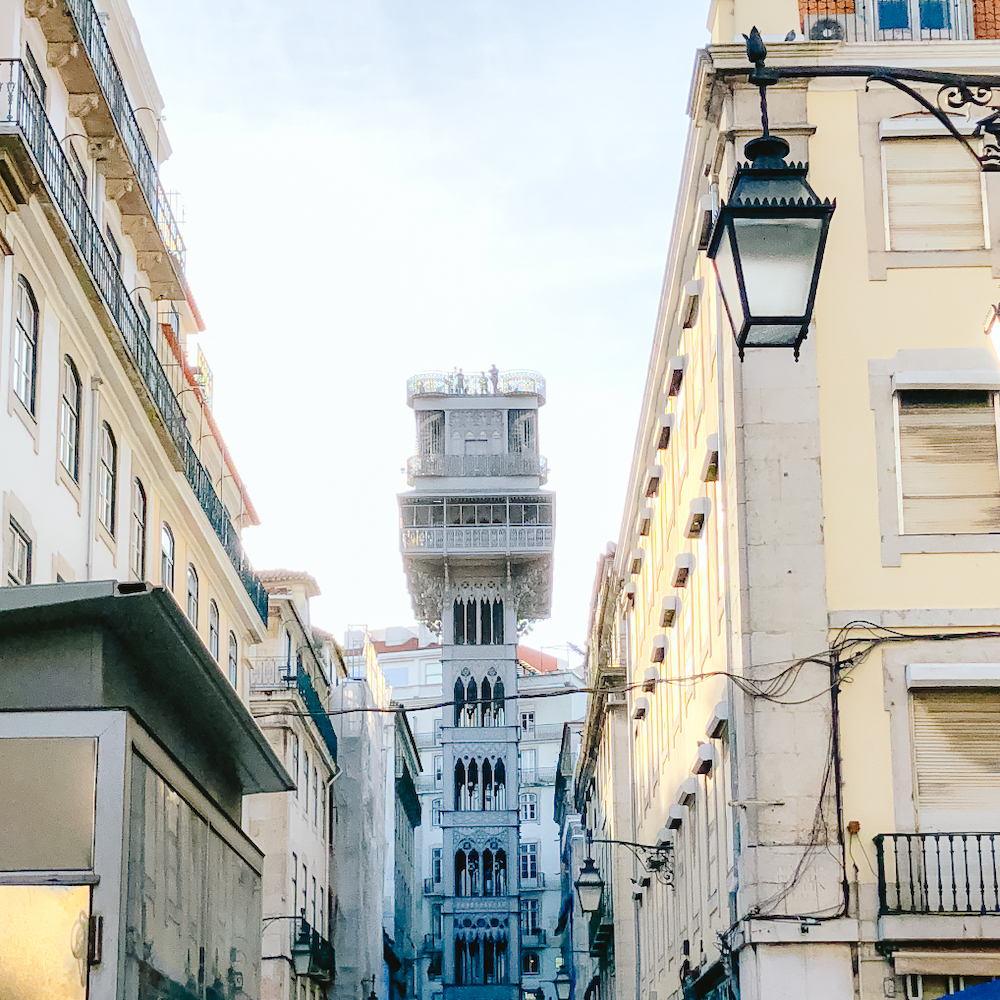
140,501
69,412
234,659
192,595
107,478
35,74
528,857
214,629
15,533
25,373
168,560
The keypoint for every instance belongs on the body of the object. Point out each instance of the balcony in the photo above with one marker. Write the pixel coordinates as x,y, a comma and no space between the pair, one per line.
457,466
536,938
275,673
511,383
432,888
537,776
78,46
938,873
321,955
37,155
538,882
899,20
476,541
433,944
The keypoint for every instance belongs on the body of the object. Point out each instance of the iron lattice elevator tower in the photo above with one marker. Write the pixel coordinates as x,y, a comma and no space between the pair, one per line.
476,533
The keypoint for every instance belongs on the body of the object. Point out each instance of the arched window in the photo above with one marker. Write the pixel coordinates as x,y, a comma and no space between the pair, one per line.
500,786
233,659
461,875
498,622
26,344
192,595
459,701
288,651
470,623
472,786
488,873
166,557
471,705
485,622
69,418
139,511
459,785
213,629
500,873
498,704
488,786
107,478
475,886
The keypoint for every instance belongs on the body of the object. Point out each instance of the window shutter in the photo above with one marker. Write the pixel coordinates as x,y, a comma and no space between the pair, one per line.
934,195
949,473
956,739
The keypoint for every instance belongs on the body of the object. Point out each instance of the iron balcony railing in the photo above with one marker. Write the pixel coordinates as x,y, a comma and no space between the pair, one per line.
899,20
535,938
537,776
218,517
432,888
272,673
321,953
23,110
938,872
420,466
433,943
513,538
91,31
491,383
275,673
538,882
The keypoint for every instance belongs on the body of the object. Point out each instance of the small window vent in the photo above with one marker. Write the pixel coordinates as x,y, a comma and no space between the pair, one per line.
644,520
636,566
659,650
641,709
664,426
689,304
688,791
704,223
676,816
653,476
704,760
649,679
718,723
630,595
683,567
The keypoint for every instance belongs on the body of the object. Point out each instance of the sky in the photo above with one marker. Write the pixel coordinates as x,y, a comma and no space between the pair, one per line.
377,188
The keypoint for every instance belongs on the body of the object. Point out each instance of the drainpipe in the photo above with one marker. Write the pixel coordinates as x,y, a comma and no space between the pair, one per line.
95,406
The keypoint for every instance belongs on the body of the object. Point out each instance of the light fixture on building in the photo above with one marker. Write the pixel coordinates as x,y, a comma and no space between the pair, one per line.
767,247
563,985
302,950
589,887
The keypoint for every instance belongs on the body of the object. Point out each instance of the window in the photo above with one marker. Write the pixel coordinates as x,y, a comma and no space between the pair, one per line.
436,865
527,723
529,916
305,779
143,316
313,921
295,763
34,74
233,659
166,557
933,195
527,761
437,732
949,476
529,963
69,418
432,672
315,795
305,890
436,812
529,807
107,479
116,252
26,345
78,172
213,629
529,861
192,595
437,920
18,555
438,770
139,510
295,878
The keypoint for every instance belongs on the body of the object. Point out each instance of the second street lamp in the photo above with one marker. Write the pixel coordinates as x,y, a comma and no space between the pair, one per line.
589,887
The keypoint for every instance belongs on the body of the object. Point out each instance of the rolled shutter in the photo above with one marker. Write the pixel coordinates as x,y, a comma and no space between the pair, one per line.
934,195
949,472
956,740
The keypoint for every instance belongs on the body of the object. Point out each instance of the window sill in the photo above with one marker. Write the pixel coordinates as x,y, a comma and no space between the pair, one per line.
63,476
882,261
25,416
109,540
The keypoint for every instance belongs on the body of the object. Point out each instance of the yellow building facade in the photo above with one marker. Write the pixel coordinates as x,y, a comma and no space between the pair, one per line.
799,626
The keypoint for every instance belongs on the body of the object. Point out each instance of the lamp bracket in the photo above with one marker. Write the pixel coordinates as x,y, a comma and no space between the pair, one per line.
657,859
958,93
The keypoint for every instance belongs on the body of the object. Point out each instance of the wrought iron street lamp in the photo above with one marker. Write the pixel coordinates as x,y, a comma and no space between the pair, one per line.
589,886
769,238
563,985
302,950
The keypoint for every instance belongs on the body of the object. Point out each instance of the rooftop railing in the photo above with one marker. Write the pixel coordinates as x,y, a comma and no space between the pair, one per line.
510,538
489,383
418,466
95,43
938,872
899,20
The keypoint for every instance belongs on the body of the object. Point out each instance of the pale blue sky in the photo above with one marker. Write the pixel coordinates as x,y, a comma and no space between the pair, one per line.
375,189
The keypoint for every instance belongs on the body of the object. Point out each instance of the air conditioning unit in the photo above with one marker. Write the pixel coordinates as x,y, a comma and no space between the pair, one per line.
710,466
640,709
688,791
653,476
669,611
659,649
675,374
683,567
689,304
676,816
704,759
718,723
635,566
664,426
700,508
649,679
645,519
